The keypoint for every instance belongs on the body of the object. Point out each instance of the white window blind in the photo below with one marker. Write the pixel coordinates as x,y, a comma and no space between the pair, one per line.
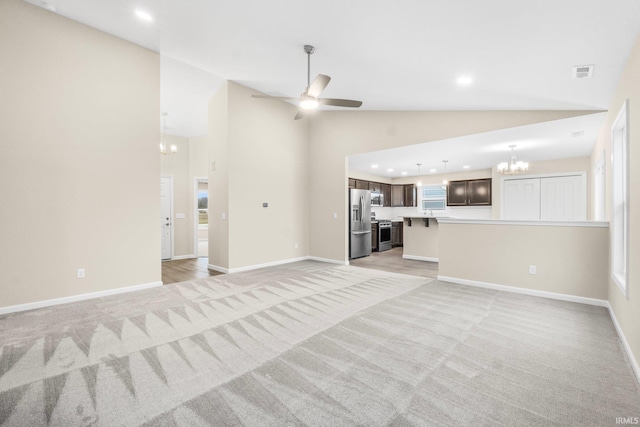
433,197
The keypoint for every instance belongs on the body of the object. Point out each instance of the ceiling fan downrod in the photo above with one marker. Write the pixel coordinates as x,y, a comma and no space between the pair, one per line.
309,50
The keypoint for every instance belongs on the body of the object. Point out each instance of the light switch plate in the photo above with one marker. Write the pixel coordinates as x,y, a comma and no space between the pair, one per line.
180,216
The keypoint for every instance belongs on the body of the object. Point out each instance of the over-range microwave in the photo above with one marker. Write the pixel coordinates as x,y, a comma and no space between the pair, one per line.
377,199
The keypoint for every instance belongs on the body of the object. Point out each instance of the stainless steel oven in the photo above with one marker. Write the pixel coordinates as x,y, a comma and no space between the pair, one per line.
384,235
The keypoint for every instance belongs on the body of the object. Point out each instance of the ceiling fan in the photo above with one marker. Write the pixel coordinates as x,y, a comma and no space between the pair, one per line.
309,99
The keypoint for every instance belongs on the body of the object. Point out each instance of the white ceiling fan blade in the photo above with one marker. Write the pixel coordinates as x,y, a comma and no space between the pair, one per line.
318,85
340,102
283,98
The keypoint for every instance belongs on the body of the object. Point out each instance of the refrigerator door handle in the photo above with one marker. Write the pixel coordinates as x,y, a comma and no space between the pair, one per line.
361,232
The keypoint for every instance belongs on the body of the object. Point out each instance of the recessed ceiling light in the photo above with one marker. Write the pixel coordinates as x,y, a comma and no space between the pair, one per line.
433,170
465,80
404,173
390,170
144,15
48,6
374,166
465,167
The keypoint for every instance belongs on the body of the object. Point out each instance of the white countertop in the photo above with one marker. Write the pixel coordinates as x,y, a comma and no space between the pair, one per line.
523,222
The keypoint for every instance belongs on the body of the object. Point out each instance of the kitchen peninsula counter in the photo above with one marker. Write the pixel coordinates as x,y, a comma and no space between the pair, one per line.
420,233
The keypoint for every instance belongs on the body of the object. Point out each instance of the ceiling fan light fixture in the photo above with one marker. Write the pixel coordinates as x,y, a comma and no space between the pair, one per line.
309,103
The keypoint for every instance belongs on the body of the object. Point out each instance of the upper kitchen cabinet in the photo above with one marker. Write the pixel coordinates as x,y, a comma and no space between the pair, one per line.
397,195
409,195
375,186
352,183
362,185
385,189
475,192
403,195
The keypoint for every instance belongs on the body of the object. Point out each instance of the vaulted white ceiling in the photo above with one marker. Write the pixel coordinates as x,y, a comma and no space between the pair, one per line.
392,55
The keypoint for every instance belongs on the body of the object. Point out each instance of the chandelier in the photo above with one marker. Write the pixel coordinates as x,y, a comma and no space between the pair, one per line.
512,167
173,149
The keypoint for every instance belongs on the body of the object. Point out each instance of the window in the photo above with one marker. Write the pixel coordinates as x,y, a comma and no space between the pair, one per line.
620,197
203,208
433,197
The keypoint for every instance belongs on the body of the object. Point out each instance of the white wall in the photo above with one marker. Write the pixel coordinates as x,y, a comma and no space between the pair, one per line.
79,169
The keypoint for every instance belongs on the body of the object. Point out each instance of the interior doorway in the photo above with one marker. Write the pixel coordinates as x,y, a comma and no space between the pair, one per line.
166,217
201,232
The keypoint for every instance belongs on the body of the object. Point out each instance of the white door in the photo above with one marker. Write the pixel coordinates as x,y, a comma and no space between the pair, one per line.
562,199
521,199
166,183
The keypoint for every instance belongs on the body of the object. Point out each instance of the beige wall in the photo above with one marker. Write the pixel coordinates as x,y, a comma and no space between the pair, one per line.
334,135
265,154
569,260
218,158
198,156
627,311
79,169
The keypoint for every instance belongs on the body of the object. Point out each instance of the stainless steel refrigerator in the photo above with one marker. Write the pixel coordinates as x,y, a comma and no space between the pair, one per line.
360,223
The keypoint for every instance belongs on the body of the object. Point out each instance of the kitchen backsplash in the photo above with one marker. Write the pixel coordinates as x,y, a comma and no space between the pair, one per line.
481,212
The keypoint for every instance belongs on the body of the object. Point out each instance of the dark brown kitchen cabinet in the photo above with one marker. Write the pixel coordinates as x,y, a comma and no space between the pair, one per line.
385,189
374,237
474,192
409,195
403,195
352,183
396,233
362,185
397,195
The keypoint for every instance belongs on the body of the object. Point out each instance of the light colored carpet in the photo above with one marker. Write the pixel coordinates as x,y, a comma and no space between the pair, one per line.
314,344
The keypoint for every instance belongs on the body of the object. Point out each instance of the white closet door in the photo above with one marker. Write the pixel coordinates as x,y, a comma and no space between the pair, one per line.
521,199
562,199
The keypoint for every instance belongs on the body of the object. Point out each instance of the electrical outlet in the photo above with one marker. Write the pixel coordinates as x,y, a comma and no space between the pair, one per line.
223,215
295,245
533,269
81,273
335,216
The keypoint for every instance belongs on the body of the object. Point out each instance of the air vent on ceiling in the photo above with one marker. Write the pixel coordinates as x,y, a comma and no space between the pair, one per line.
577,134
583,71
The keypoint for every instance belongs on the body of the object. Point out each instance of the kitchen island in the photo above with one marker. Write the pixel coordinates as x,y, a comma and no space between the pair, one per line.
420,234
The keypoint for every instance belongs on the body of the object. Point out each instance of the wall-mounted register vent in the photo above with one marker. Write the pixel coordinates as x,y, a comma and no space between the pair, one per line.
583,71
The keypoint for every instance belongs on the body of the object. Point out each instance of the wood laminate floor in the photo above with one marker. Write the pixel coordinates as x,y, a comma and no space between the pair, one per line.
186,269
392,260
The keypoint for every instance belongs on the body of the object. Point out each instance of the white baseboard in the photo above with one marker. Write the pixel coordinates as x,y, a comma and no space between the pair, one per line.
75,298
217,268
329,260
420,258
525,291
191,256
625,343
